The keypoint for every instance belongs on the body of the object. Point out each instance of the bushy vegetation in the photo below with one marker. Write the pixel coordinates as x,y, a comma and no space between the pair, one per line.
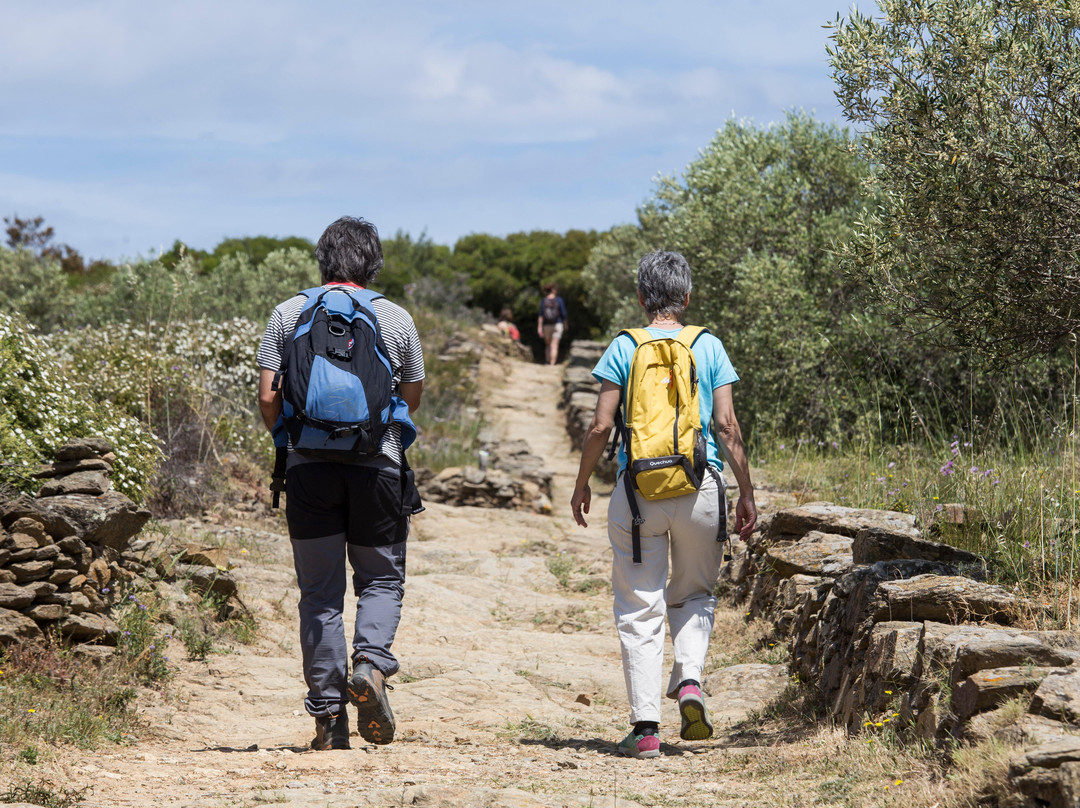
759,215
499,272
160,356
1018,507
190,382
969,109
43,405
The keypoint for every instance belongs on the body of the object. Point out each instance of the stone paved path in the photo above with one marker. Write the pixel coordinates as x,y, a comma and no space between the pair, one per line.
510,693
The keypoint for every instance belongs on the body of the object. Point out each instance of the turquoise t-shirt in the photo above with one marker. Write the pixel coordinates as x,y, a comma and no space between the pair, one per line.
714,370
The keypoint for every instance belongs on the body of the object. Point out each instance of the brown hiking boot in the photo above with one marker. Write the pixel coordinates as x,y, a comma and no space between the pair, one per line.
367,690
331,731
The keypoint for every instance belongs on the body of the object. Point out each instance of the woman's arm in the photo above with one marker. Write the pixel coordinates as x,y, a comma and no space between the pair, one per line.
727,429
607,403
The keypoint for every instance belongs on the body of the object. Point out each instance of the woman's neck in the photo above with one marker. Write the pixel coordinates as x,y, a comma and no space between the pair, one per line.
665,321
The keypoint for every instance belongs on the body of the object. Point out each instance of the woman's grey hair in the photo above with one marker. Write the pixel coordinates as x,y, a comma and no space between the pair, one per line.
664,282
349,250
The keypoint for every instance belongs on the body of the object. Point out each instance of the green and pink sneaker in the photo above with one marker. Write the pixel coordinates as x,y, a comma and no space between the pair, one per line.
639,746
696,724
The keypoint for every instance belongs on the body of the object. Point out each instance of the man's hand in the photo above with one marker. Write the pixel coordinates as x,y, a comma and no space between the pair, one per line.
579,504
745,515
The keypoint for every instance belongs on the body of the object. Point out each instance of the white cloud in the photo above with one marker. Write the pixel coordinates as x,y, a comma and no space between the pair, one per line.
277,111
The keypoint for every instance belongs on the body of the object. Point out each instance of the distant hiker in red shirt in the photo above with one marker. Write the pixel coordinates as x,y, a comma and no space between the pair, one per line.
506,325
551,322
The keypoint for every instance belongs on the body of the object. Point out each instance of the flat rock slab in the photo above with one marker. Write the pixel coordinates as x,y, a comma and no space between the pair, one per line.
794,523
1049,774
15,627
736,691
877,544
984,690
816,553
893,651
83,448
1058,697
110,520
79,482
89,627
13,596
943,598
964,650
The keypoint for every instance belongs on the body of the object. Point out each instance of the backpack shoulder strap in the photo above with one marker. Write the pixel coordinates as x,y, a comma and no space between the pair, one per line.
690,334
638,335
363,295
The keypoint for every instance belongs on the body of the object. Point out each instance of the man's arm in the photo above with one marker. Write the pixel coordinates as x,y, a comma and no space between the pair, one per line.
607,403
727,429
411,392
269,400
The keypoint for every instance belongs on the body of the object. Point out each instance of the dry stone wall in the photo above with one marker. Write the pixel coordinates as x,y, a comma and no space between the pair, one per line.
507,475
66,555
580,390
892,628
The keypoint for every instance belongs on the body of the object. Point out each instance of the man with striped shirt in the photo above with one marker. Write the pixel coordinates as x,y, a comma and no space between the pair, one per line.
339,510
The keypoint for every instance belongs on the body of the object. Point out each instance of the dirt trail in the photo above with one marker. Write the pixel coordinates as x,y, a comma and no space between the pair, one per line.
510,692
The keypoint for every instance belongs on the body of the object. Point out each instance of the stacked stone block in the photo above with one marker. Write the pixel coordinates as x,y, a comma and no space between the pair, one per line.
580,391
890,626
61,553
511,477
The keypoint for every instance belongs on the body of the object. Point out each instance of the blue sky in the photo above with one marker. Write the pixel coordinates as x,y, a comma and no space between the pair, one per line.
128,124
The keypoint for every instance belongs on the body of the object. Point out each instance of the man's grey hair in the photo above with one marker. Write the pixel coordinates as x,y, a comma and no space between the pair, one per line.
349,250
664,282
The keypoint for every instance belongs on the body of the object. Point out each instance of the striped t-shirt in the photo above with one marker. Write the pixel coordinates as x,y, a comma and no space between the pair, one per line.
399,335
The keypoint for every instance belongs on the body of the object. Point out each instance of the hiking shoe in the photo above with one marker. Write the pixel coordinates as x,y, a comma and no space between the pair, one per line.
331,732
639,746
696,724
367,690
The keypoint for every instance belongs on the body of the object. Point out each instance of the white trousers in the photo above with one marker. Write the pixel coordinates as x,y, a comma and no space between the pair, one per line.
686,526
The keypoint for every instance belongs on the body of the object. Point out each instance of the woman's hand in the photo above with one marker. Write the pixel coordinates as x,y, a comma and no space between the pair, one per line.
745,515
579,503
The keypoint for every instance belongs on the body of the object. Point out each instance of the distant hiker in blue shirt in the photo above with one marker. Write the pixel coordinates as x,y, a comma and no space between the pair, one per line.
552,322
690,526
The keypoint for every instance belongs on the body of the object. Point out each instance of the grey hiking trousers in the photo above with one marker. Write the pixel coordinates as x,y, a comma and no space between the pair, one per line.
379,584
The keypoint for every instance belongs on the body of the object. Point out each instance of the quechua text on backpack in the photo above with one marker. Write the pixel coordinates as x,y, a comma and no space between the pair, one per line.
336,382
660,423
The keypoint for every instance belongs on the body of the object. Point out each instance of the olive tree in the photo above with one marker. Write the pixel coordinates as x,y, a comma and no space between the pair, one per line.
755,215
969,112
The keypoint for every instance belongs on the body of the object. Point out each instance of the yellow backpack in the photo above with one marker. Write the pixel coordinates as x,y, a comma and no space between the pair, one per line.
660,420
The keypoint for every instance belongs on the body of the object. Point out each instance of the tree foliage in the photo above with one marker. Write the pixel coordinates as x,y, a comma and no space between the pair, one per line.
35,237
755,215
509,273
970,110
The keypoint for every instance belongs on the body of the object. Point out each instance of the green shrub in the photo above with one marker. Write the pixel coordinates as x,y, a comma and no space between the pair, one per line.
192,382
36,288
141,643
449,419
43,404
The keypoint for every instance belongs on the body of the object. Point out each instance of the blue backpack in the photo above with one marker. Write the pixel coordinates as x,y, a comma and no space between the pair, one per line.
336,382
